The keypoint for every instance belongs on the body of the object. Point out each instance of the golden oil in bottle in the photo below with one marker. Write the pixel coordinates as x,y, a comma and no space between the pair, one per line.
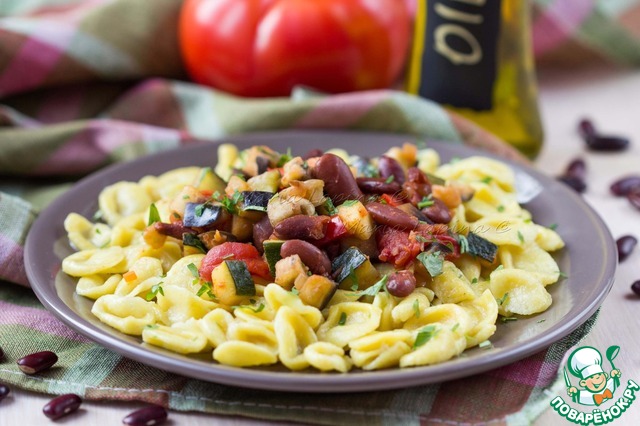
475,57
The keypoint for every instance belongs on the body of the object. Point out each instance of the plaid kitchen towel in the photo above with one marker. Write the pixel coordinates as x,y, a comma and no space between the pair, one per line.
76,95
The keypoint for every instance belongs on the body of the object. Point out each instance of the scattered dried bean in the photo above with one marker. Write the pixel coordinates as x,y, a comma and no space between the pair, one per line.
634,198
577,168
147,416
61,406
4,391
626,185
598,142
388,166
577,184
625,245
36,362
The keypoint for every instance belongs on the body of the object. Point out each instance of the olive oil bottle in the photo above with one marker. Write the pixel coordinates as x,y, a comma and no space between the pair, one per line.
475,57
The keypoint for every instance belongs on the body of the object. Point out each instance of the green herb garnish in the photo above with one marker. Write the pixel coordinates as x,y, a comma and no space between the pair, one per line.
389,179
343,319
154,215
486,179
194,270
432,261
206,287
295,291
474,280
155,289
485,345
329,207
562,274
455,327
416,308
426,202
425,334
151,326
553,226
520,237
464,243
350,203
284,158
508,319
502,299
374,289
500,208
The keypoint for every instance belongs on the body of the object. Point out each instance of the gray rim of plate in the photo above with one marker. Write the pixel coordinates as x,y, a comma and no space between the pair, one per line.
590,255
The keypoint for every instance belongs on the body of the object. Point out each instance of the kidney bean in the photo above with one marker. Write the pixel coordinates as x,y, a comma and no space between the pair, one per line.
401,283
385,214
576,184
36,362
417,186
339,183
388,166
174,230
314,258
262,230
586,128
302,227
636,287
147,416
61,406
607,143
4,391
625,245
598,142
313,153
378,185
438,212
577,168
634,198
624,186
413,211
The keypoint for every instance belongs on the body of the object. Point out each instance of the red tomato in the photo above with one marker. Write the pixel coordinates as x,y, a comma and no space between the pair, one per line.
265,47
234,251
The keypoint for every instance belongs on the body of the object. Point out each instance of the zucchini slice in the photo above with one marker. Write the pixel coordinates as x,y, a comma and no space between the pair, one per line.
232,282
199,215
207,180
256,200
344,265
482,247
272,253
317,291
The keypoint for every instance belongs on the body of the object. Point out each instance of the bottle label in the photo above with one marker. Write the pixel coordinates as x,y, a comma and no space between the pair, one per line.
454,59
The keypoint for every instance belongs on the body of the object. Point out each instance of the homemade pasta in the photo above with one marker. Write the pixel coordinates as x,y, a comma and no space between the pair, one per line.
328,261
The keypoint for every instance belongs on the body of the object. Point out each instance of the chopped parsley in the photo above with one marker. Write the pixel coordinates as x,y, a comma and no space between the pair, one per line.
206,287
426,201
553,226
474,280
562,274
329,207
151,326
455,327
464,244
486,179
416,308
520,237
541,321
343,319
485,345
284,158
389,179
154,215
155,289
502,299
374,289
194,270
350,203
432,261
426,333
500,208
500,267
508,319
295,291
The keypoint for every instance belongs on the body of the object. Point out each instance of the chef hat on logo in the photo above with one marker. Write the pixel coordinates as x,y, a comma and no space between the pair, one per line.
585,362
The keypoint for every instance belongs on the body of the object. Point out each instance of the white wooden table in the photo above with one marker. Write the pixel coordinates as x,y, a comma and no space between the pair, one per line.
612,100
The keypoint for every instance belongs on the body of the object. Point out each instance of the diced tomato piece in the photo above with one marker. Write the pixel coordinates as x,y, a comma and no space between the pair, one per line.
391,200
227,251
259,267
335,230
396,247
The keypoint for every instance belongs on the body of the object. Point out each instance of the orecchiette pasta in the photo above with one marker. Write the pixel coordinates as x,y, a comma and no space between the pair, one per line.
179,259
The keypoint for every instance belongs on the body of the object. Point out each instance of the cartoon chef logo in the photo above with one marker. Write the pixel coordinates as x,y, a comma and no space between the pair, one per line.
585,363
